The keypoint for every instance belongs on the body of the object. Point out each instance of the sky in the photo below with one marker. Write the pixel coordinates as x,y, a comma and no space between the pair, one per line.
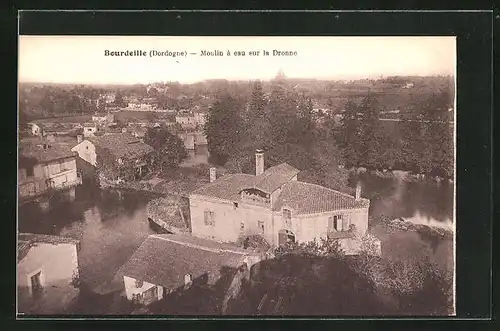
82,60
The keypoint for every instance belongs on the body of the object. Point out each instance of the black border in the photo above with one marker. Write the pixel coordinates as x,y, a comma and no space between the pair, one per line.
474,31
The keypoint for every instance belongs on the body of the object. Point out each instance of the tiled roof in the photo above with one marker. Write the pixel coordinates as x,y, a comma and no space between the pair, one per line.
165,259
122,145
27,240
274,177
227,187
304,198
307,198
34,150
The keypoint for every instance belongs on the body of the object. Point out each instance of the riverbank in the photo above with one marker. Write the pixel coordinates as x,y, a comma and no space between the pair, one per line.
407,176
404,240
170,214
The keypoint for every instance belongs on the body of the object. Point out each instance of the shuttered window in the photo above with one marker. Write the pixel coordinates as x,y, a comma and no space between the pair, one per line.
209,217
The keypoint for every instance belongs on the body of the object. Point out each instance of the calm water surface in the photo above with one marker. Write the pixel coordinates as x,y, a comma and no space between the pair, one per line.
112,224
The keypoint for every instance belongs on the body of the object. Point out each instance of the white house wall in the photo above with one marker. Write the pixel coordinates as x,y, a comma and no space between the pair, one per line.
58,265
228,219
86,151
131,289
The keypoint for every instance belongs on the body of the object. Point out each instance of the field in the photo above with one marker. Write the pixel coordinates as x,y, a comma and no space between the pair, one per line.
134,116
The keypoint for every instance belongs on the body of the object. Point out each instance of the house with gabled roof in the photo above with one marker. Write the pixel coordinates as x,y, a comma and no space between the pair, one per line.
47,271
166,265
115,150
277,206
45,167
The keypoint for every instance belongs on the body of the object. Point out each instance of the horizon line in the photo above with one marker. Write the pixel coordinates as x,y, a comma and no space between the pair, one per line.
239,80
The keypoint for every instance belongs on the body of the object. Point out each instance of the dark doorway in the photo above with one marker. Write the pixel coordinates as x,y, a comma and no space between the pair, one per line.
285,236
36,284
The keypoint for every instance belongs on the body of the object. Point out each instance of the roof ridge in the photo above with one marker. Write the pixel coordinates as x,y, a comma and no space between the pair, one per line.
213,250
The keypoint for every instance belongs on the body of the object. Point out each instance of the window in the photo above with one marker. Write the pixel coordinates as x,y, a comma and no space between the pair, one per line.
30,172
188,280
56,168
261,226
287,217
242,226
150,295
36,283
209,217
345,224
65,165
139,283
235,204
335,223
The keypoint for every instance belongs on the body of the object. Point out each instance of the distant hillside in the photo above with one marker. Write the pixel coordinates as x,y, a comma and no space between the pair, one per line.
400,92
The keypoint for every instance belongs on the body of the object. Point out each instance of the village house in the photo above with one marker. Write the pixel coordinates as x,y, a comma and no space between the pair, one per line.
36,129
137,131
186,120
167,265
277,206
44,167
47,269
42,129
118,149
104,119
108,97
89,129
200,118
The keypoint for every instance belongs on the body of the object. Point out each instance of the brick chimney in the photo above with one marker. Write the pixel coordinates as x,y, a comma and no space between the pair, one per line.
358,191
213,174
259,162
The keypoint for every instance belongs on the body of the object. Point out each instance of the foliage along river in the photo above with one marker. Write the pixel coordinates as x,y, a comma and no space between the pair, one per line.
112,224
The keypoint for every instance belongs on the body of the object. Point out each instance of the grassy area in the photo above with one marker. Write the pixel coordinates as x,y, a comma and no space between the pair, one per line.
135,116
66,119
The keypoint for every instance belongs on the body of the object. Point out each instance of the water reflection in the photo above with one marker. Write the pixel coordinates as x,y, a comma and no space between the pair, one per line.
422,201
110,225
199,155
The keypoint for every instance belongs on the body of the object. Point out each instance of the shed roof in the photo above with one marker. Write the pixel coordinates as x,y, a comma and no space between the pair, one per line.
122,145
165,259
26,241
34,150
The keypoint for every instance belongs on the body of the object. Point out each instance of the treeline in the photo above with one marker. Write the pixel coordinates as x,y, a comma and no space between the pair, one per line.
49,100
283,125
422,143
319,279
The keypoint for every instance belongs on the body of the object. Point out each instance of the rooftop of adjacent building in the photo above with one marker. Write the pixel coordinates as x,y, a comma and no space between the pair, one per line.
166,259
39,150
122,145
26,241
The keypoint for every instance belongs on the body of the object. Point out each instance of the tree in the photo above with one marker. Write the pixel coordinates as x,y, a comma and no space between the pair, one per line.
119,101
224,129
350,134
169,150
329,248
371,133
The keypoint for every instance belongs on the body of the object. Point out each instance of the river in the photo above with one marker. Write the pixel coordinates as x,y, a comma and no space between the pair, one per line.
112,224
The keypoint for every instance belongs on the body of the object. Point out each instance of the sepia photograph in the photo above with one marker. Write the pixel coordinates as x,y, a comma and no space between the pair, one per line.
236,176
